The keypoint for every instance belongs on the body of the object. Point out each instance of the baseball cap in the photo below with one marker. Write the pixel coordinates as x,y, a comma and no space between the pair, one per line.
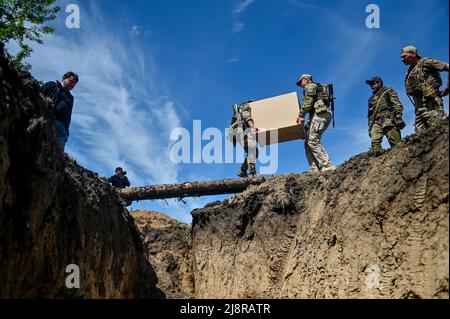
374,79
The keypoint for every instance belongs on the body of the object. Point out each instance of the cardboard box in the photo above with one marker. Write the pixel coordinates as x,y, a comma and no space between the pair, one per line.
278,114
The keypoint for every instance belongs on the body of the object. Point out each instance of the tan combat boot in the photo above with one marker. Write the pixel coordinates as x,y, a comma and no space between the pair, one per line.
329,168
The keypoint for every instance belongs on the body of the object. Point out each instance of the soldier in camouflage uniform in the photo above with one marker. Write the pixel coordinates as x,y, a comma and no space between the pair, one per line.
385,115
422,82
316,103
248,126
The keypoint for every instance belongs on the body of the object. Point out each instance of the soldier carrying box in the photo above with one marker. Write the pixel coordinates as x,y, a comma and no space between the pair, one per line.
316,102
242,121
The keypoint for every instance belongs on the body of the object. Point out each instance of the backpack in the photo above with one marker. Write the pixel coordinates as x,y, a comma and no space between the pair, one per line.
322,93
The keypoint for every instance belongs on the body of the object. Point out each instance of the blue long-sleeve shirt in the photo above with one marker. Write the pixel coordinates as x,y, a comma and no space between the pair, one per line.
63,101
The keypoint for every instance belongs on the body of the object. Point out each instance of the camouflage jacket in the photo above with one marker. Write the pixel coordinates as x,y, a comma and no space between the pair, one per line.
315,99
423,79
245,112
390,105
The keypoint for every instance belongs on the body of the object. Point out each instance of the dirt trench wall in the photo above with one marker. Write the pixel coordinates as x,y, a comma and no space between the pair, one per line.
377,227
168,246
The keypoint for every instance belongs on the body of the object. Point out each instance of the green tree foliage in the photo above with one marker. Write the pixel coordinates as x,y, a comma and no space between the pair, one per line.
23,20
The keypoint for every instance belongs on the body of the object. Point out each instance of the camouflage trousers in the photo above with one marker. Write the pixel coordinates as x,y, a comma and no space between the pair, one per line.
429,111
315,153
377,132
251,153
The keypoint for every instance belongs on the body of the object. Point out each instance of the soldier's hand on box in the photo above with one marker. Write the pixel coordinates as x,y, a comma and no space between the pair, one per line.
301,121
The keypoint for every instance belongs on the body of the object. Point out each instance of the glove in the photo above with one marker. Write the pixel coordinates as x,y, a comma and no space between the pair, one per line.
399,121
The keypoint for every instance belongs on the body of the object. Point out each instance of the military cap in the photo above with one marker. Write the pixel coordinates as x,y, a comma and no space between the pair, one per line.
304,76
374,79
410,49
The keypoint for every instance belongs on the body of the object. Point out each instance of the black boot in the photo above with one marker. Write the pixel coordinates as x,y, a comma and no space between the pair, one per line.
243,171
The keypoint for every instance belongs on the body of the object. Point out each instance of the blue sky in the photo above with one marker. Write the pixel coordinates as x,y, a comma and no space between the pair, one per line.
147,67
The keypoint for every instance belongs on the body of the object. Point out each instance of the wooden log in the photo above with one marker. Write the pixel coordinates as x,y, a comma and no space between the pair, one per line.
193,189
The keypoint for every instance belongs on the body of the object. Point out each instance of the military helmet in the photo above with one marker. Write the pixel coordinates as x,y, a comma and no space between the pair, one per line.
304,76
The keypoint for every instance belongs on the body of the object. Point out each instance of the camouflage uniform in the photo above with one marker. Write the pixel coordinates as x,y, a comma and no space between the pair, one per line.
315,101
422,82
387,118
250,148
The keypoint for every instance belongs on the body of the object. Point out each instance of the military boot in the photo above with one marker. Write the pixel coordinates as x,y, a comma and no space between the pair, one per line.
375,150
313,169
329,168
252,169
243,171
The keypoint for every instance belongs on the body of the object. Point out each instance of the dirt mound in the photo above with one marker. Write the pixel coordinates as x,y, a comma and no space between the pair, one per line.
153,219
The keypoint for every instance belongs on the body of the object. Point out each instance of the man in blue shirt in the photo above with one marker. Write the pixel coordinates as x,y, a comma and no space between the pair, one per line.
59,93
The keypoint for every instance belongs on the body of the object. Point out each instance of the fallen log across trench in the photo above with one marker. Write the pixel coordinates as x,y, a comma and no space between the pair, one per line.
194,189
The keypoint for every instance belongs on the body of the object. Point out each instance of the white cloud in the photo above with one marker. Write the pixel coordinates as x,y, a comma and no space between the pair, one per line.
233,60
135,29
239,26
241,7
